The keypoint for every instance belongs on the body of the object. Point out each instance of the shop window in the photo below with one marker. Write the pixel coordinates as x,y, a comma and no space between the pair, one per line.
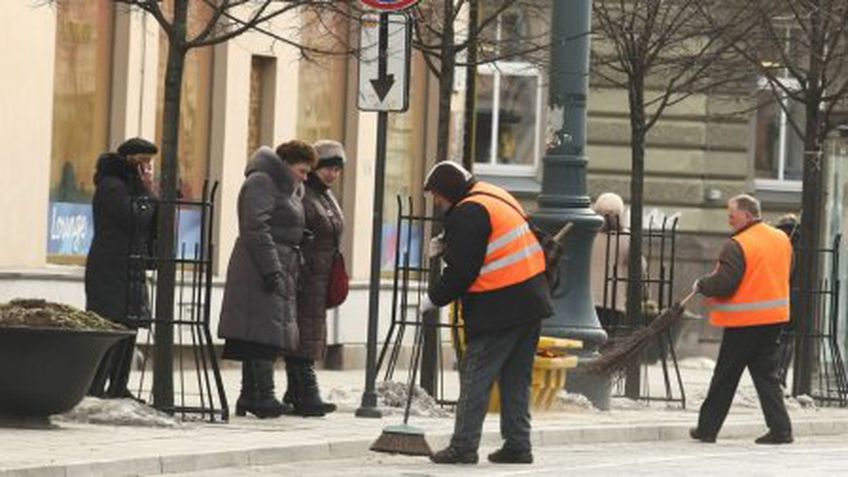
260,119
322,78
81,102
195,104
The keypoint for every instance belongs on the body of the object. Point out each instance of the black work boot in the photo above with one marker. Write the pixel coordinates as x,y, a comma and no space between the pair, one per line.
307,400
775,437
452,455
511,456
248,389
264,403
699,435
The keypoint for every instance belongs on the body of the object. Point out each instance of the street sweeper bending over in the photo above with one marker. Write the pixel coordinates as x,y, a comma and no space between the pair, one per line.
495,265
748,295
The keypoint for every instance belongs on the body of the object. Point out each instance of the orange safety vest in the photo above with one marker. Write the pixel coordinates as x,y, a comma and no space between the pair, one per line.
513,254
762,297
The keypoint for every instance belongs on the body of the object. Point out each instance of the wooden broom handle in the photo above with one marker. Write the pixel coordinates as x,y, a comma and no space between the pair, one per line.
687,298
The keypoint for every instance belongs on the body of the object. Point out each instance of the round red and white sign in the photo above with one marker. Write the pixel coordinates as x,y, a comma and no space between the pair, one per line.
390,5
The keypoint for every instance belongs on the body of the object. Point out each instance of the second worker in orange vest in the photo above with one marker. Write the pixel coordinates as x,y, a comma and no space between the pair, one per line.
496,267
748,295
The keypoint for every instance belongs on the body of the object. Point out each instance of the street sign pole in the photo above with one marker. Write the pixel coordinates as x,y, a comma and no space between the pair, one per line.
381,85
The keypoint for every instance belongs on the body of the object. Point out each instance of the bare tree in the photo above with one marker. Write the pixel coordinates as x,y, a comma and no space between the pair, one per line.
221,21
799,51
661,52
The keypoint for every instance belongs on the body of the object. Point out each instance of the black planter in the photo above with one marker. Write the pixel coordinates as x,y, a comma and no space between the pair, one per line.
46,371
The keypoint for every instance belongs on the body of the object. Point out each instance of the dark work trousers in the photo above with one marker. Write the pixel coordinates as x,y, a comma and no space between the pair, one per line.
506,356
114,368
757,348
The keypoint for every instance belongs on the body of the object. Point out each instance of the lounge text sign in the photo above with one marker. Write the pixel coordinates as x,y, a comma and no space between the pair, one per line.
389,5
385,46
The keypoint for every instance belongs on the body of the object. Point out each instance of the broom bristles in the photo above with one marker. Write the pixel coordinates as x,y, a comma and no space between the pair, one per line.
402,439
622,353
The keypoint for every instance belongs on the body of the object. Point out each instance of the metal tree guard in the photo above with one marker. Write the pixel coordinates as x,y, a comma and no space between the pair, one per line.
410,281
830,383
660,247
197,392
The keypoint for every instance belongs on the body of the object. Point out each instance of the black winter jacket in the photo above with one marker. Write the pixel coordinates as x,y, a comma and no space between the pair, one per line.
124,224
467,230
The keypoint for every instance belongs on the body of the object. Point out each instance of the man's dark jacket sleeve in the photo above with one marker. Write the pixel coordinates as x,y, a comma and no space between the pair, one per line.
727,276
467,230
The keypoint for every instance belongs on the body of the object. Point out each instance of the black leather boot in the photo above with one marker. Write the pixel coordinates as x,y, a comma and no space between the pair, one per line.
290,397
248,389
307,400
264,403
328,407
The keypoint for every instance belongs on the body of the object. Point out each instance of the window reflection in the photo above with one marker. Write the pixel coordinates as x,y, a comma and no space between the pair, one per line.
81,101
81,87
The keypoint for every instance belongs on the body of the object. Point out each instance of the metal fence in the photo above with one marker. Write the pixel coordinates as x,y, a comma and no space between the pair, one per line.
659,253
198,389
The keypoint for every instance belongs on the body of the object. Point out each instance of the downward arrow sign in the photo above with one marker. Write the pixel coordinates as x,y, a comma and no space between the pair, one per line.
384,82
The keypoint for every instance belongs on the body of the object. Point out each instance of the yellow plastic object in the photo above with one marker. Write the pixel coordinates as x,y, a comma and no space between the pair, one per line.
548,378
549,367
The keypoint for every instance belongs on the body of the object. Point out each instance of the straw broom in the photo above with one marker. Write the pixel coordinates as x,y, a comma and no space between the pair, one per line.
403,438
622,353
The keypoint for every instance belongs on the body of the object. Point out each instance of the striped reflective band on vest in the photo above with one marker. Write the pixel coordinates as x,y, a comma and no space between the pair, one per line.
514,257
508,237
762,305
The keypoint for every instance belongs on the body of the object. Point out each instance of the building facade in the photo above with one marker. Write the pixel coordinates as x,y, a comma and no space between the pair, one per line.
83,75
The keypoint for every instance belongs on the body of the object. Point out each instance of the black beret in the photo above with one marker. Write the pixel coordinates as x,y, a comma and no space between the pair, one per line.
135,146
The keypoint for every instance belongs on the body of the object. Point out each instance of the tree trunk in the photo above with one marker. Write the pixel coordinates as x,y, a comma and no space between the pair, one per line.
806,323
163,385
470,133
636,98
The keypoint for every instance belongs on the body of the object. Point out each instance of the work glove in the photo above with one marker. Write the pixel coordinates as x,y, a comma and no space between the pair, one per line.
695,289
437,246
427,305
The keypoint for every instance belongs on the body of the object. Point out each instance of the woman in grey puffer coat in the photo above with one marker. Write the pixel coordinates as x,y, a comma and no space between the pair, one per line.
258,313
325,221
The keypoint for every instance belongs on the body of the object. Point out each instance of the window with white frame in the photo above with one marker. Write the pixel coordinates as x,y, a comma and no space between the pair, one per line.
509,101
778,147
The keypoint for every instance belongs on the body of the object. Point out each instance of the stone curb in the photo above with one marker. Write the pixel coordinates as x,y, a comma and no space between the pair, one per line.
165,464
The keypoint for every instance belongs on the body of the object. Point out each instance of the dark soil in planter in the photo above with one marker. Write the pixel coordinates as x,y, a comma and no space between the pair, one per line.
37,313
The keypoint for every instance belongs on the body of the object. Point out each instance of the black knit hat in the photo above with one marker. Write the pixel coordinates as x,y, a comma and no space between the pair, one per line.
137,145
449,180
330,153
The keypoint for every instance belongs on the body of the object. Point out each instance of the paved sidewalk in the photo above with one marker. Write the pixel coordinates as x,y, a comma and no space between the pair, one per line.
86,449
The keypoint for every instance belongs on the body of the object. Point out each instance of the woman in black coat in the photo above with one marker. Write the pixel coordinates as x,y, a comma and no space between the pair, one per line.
258,313
325,221
124,224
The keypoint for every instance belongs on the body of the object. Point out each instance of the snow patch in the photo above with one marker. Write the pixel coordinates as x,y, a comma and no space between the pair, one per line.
391,399
571,402
119,412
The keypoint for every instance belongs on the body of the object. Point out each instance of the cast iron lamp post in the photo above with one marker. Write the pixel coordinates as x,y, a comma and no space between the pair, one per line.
564,199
